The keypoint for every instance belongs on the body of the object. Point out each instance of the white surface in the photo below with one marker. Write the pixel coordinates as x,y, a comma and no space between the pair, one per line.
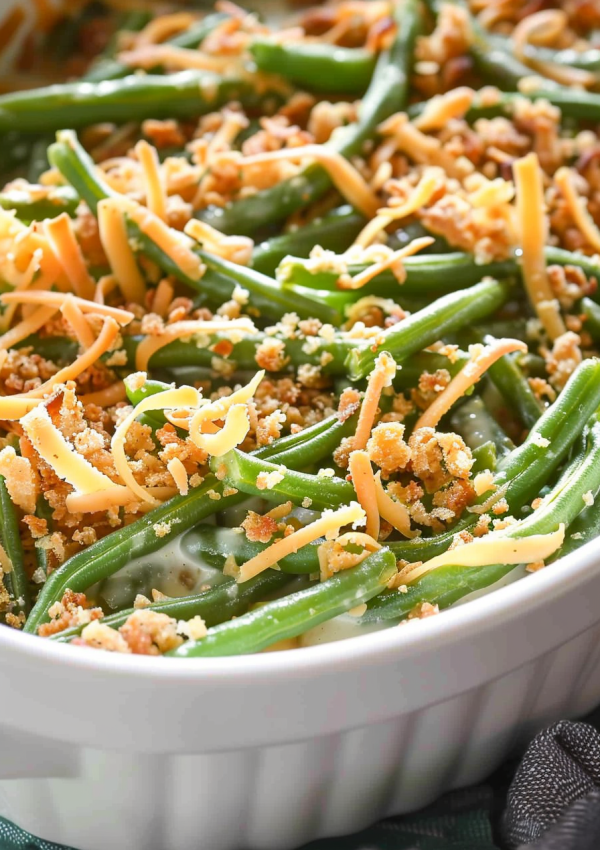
271,751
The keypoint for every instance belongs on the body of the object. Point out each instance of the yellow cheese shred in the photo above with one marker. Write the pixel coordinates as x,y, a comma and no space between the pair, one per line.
364,483
328,524
57,299
443,107
176,59
494,548
61,237
113,235
107,397
395,259
180,477
346,178
232,410
419,197
181,397
482,357
27,326
531,224
187,328
236,249
578,207
118,496
393,512
56,450
156,198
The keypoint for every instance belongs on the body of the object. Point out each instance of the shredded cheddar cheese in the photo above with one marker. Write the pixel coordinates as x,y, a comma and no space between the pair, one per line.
481,360
494,548
392,511
156,197
57,299
188,328
533,231
61,238
113,235
382,376
393,261
328,524
364,483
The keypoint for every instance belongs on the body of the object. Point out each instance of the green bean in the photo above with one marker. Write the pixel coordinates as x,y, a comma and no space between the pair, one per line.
117,549
228,599
424,274
447,314
448,584
15,581
335,232
427,361
508,378
39,202
241,470
387,94
111,69
573,103
296,613
429,272
316,66
187,94
477,427
591,311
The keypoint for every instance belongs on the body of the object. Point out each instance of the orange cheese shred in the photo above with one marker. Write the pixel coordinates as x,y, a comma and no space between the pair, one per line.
578,207
531,224
362,278
61,238
57,299
364,483
27,326
74,316
156,198
382,376
393,512
113,235
188,328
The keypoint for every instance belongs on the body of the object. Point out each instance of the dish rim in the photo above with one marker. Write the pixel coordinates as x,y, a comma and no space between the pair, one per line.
504,603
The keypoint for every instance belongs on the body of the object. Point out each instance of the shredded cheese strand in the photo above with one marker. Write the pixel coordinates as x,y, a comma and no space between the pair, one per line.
578,207
393,512
549,24
494,548
76,319
60,454
176,59
382,376
163,295
419,197
156,197
328,524
188,328
27,326
236,249
57,299
119,496
346,178
482,357
65,247
531,224
113,235
443,107
363,480
395,259
180,477
107,397
181,397
232,409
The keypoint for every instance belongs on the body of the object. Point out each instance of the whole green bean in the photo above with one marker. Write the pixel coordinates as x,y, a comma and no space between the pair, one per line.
39,202
447,314
386,95
477,427
296,613
427,273
228,599
241,470
335,232
573,103
508,378
187,94
15,581
447,584
316,66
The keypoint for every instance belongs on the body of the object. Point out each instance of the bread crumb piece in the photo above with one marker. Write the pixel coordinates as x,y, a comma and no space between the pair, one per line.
358,610
194,629
161,529
588,498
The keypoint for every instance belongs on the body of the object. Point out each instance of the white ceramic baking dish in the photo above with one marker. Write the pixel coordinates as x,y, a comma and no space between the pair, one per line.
273,750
